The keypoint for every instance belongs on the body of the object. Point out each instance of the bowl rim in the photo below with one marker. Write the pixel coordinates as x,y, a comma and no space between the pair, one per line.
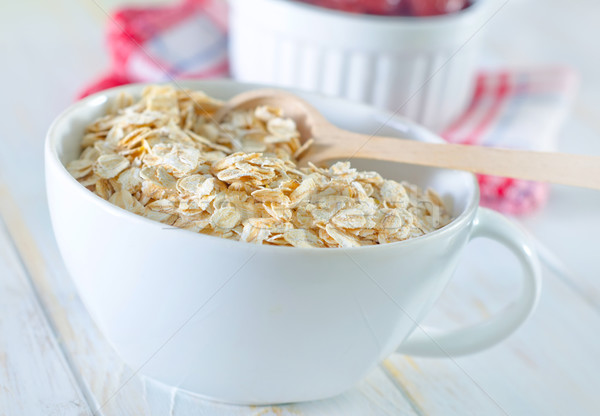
51,159
474,8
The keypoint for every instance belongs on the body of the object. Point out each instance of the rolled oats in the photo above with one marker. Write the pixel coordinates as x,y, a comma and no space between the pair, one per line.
110,165
163,157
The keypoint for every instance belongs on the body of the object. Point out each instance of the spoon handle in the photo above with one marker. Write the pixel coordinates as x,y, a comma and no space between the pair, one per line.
566,169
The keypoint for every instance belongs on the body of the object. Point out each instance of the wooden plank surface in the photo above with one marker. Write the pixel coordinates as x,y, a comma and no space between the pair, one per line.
35,377
546,368
549,367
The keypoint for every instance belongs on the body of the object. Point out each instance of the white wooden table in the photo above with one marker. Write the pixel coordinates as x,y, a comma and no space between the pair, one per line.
53,360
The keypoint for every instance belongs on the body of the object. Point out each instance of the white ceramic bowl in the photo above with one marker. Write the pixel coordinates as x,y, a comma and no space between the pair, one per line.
247,323
423,67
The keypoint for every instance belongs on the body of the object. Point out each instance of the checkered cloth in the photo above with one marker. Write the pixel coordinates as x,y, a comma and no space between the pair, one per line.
517,108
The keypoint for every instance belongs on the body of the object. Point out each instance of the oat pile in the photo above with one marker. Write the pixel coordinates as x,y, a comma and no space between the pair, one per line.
163,157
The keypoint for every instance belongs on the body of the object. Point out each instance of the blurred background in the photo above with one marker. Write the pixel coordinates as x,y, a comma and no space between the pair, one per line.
64,40
68,38
59,47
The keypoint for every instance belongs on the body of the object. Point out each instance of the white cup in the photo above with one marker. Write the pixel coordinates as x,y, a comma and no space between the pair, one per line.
422,67
257,324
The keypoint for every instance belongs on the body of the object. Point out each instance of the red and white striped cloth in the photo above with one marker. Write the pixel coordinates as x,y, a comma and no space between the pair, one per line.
516,108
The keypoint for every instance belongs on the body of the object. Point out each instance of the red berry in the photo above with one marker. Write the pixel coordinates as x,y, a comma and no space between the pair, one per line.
386,7
436,7
344,5
381,7
393,7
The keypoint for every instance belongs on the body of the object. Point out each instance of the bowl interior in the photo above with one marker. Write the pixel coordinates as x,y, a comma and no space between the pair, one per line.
458,189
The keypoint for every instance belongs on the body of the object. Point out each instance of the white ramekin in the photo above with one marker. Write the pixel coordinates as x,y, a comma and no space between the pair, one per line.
423,68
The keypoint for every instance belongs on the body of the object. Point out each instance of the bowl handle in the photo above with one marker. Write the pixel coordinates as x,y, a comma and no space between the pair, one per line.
431,342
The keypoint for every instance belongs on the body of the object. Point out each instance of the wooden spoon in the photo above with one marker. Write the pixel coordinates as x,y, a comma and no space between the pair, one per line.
333,143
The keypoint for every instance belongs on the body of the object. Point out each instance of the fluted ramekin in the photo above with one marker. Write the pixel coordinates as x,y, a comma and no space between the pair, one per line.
420,67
